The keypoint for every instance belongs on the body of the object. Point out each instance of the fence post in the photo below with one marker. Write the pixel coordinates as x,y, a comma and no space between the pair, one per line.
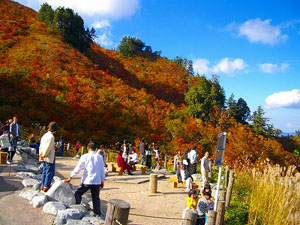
190,218
221,208
117,212
211,217
68,148
82,150
153,183
227,175
229,188
107,155
175,163
165,163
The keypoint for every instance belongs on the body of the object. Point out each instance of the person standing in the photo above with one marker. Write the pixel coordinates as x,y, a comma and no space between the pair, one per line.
193,160
77,146
142,151
15,132
61,146
93,176
148,151
47,156
205,168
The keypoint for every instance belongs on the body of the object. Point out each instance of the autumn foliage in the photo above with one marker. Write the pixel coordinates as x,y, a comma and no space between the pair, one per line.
106,97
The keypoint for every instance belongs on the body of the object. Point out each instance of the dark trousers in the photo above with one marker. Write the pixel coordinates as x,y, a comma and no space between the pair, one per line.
200,221
193,168
148,161
95,190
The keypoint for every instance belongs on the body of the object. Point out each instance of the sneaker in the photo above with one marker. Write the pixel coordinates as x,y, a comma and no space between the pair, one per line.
8,162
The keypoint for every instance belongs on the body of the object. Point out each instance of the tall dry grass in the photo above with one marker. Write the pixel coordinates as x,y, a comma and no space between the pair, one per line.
273,197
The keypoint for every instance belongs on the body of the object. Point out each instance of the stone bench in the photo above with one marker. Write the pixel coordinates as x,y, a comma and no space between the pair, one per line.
3,157
142,167
115,167
175,183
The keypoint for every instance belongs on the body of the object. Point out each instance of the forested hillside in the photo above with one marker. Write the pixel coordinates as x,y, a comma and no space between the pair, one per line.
101,94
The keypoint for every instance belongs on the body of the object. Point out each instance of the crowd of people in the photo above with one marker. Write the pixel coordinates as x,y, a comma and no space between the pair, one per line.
10,133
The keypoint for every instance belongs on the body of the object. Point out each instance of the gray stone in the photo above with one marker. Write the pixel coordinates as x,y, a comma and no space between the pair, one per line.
25,175
80,208
29,194
93,220
53,207
39,200
69,214
37,176
60,221
78,222
56,178
85,199
36,187
30,182
61,191
32,168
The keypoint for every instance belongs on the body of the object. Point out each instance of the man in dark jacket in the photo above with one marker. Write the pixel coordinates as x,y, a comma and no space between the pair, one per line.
15,132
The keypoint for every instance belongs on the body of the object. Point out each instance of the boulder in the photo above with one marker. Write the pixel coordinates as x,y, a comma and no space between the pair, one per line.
53,207
80,208
61,191
29,182
78,222
37,176
29,194
70,213
39,200
36,187
93,220
25,175
32,168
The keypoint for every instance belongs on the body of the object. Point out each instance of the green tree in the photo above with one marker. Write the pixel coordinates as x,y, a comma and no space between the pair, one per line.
185,64
132,46
203,96
259,122
46,14
298,133
238,109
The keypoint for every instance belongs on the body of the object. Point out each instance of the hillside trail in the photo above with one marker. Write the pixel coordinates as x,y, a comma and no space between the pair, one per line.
163,208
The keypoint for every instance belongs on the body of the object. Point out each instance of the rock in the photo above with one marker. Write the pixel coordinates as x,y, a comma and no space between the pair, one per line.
53,207
38,201
71,213
30,182
60,221
80,208
32,168
25,175
36,187
61,191
85,199
78,222
29,194
93,220
37,177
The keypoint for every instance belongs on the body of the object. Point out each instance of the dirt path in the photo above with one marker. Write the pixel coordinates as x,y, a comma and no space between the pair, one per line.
145,209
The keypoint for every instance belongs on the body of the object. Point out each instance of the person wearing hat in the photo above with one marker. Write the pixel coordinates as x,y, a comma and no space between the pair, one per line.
47,155
93,176
5,145
193,160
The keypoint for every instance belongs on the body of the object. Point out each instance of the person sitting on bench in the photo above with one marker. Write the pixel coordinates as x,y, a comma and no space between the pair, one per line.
134,158
122,164
5,146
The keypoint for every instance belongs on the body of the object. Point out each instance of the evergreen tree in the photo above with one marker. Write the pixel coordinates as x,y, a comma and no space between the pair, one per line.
185,63
259,122
243,111
46,14
203,96
131,46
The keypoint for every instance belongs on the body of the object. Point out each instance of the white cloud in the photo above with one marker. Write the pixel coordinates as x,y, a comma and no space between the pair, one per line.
226,65
284,99
229,66
289,125
273,68
105,39
114,9
257,30
101,24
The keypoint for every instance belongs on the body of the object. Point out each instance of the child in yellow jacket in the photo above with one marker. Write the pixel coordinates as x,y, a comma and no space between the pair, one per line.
192,202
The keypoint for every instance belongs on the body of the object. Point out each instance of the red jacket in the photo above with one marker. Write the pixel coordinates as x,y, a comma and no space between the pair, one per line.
120,161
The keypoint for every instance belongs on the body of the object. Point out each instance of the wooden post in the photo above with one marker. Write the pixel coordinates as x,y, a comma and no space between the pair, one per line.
220,213
107,155
175,163
117,212
82,151
210,169
165,163
229,188
227,176
190,218
68,148
211,217
153,183
222,195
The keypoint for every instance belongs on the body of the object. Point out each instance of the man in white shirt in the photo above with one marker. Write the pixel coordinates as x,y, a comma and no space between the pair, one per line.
47,155
205,168
93,176
193,160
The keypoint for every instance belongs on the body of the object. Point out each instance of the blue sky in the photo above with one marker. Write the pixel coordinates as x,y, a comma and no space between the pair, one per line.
253,46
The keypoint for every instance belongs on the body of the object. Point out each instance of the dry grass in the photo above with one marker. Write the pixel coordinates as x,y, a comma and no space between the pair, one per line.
273,198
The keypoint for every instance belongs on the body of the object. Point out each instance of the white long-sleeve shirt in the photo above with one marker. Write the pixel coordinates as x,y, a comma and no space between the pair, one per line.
47,147
4,141
93,165
204,164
